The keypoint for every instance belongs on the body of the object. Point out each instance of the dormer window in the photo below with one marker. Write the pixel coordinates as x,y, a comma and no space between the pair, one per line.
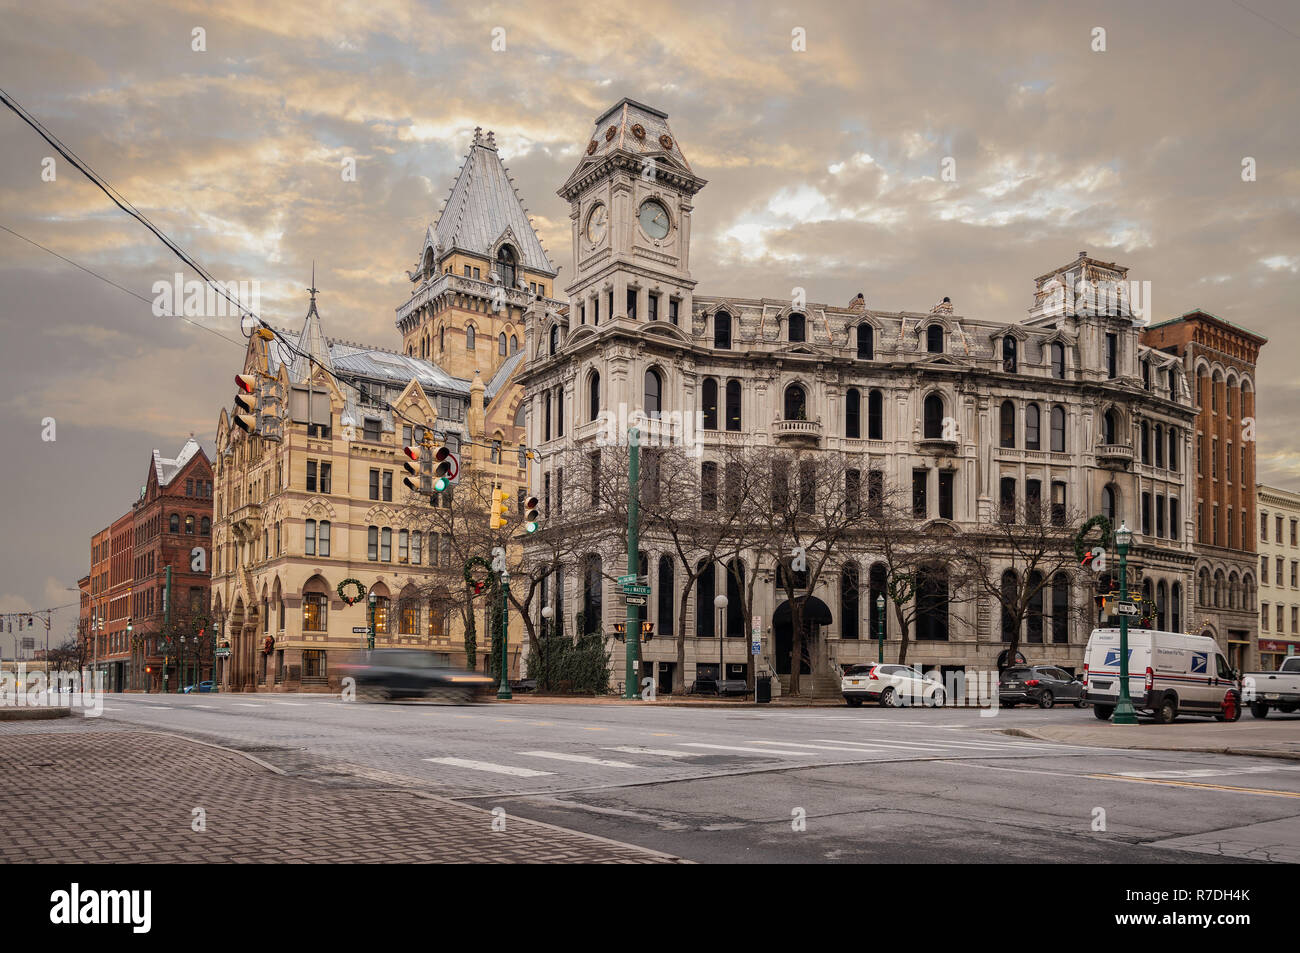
506,266
866,342
934,339
722,330
1058,361
1009,354
798,329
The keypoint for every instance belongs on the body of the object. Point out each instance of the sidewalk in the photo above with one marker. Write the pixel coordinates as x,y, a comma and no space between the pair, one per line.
131,796
673,701
1265,739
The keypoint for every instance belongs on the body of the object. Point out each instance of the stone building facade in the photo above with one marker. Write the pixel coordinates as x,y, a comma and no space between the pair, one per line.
1220,358
1279,574
1063,406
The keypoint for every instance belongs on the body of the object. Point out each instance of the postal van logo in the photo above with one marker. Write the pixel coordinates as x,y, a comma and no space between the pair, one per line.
1200,662
1112,656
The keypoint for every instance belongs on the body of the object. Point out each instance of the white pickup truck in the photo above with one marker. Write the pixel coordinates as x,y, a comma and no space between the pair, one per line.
1280,689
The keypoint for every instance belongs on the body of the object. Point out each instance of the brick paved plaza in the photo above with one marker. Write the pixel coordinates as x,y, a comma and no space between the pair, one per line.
110,796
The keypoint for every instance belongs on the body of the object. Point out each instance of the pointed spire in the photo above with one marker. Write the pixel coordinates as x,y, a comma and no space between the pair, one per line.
312,340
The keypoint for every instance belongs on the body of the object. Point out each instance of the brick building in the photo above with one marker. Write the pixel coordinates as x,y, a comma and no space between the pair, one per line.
1221,356
173,528
1279,575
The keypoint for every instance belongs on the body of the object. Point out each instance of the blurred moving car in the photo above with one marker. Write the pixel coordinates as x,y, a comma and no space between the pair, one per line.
386,674
891,686
202,688
1041,685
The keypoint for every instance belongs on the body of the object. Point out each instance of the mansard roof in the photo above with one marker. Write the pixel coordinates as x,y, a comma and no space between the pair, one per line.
634,130
165,469
483,208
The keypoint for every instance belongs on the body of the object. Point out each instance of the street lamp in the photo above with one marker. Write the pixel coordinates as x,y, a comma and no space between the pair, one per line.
370,637
880,628
547,614
720,602
1124,713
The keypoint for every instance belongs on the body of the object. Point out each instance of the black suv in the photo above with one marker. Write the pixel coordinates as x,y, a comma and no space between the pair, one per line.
1042,685
383,674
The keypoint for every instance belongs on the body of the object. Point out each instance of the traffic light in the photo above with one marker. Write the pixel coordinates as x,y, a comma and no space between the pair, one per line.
246,400
530,515
442,467
414,478
500,509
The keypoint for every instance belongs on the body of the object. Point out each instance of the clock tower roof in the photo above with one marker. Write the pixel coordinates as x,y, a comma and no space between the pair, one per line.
632,129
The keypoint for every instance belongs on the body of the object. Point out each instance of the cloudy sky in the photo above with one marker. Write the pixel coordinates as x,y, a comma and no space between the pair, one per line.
823,168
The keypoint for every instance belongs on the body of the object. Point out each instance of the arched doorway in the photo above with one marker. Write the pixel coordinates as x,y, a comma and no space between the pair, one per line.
815,613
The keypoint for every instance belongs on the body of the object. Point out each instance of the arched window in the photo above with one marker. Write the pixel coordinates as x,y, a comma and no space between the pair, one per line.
593,394
878,610
934,339
501,344
1007,424
1009,354
1058,429
654,394
592,596
1160,445
932,604
665,597
1034,616
1173,450
849,612
1109,503
1033,428
705,613
1176,608
798,329
469,337
733,405
1203,587
514,343
1162,605
933,417
555,338
710,400
1060,608
1145,437
1110,427
205,526
866,342
174,523
722,330
796,403
506,266
189,524
442,339
735,586
875,415
1058,360
853,415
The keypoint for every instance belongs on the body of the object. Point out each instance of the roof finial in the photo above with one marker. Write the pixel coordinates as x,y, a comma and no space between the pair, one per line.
478,135
491,139
312,289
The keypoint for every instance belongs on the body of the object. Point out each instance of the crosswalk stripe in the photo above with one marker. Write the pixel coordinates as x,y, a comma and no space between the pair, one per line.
798,754
902,746
576,758
667,752
793,744
489,767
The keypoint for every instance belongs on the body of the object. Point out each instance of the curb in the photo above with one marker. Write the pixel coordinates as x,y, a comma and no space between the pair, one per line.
1201,749
41,713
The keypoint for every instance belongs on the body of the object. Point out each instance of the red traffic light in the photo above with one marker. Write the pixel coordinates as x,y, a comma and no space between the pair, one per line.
246,382
412,452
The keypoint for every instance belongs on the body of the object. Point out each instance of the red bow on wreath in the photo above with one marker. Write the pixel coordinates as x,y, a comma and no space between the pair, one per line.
267,645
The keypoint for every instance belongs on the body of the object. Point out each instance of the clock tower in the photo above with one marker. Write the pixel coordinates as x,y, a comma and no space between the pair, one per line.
630,200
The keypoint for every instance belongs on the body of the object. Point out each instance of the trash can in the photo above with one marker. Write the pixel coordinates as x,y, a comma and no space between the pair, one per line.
763,690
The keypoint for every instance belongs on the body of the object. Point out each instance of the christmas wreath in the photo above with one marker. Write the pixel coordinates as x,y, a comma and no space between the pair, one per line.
360,591
476,586
268,645
1080,539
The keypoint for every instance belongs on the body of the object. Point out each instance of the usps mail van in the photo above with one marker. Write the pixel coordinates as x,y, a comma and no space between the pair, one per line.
1169,674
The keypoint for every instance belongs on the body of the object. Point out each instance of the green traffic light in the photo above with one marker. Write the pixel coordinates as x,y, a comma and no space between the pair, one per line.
530,527
440,484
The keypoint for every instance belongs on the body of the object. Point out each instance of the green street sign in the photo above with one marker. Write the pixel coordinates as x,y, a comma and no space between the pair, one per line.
630,590
627,580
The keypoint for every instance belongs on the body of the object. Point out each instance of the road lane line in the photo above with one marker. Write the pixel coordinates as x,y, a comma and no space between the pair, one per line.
900,745
576,758
247,705
796,754
667,752
792,744
1264,792
489,767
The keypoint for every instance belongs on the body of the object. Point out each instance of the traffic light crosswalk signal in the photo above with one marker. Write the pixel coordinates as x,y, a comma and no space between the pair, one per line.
414,468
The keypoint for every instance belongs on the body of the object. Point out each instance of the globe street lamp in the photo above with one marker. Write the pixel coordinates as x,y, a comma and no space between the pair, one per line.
720,602
370,637
547,614
1124,713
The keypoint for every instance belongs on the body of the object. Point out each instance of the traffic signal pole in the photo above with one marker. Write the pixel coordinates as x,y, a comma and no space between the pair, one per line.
633,631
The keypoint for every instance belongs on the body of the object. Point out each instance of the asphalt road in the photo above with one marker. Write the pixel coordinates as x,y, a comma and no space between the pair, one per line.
775,785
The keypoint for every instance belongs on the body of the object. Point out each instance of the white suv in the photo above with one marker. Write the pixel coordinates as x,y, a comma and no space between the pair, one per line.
891,685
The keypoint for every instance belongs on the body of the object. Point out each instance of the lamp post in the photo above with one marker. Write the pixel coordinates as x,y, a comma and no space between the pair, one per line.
720,602
880,629
503,690
180,665
370,630
547,614
1124,713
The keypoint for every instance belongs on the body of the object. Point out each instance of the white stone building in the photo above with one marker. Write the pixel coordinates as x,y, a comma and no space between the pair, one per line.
1279,574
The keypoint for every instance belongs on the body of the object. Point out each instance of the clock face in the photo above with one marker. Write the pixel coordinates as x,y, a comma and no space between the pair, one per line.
654,219
597,224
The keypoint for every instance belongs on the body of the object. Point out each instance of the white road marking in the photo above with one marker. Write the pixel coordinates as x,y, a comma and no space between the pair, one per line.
792,744
900,745
1206,772
795,754
293,704
247,705
577,758
489,766
667,752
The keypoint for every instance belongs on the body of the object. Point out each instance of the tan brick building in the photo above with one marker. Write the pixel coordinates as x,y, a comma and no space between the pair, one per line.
1221,357
1279,574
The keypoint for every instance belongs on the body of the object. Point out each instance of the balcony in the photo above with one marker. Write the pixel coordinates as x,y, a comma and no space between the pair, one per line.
246,520
806,433
939,446
1117,455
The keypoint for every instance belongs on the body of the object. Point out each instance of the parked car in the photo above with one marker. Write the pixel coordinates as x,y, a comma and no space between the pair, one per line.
385,674
1041,685
1280,689
1169,674
890,685
202,688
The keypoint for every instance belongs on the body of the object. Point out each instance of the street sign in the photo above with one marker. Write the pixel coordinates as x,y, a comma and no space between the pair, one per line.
1126,608
636,590
756,647
361,630
634,600
223,653
627,580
